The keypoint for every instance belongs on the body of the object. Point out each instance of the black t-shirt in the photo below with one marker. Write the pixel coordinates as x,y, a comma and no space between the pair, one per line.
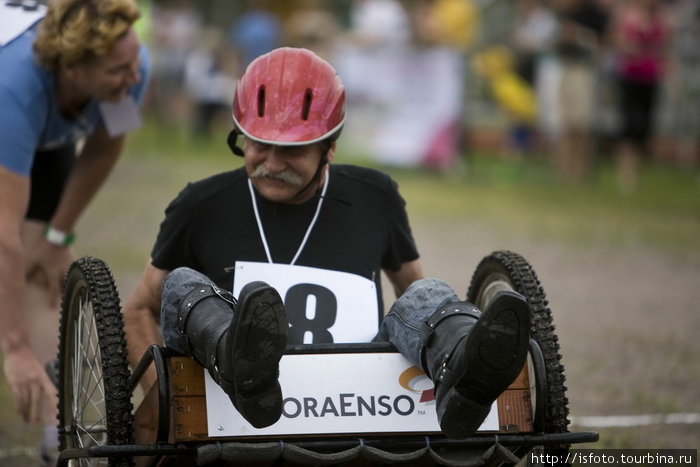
361,229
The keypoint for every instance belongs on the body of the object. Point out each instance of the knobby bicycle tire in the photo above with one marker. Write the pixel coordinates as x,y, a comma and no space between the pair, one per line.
94,396
506,269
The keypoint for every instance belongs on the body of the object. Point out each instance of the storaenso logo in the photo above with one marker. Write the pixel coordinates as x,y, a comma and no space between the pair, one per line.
348,405
356,405
415,380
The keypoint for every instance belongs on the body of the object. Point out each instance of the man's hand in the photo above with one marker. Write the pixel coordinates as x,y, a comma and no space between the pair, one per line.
47,266
34,393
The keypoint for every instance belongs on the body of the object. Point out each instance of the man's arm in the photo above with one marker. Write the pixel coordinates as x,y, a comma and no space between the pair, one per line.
25,375
142,317
409,272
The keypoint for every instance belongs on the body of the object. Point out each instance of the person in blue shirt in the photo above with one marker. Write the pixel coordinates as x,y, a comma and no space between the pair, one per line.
70,87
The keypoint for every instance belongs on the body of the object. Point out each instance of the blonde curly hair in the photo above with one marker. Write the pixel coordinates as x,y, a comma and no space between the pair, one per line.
77,31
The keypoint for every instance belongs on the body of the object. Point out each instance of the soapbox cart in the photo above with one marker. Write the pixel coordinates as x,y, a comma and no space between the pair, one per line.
364,418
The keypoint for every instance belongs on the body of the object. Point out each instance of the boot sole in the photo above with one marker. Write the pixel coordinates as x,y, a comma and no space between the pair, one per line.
496,352
260,329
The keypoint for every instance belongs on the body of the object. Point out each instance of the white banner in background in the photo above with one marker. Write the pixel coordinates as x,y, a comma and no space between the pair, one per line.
404,105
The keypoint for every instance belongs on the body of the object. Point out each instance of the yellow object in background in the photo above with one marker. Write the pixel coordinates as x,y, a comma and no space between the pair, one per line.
510,91
458,22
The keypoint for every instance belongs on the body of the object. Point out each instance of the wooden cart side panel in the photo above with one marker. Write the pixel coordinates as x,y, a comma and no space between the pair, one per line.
515,406
189,414
186,377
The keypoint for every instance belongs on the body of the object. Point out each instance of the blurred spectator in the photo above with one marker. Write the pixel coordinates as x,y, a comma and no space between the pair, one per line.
175,26
685,84
534,29
313,27
257,31
534,33
380,23
533,36
642,30
211,70
374,45
582,32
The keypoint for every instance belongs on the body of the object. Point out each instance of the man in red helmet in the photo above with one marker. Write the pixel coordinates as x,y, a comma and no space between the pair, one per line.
291,225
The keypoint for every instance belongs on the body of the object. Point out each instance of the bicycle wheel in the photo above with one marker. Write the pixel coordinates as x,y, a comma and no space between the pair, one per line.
94,406
506,270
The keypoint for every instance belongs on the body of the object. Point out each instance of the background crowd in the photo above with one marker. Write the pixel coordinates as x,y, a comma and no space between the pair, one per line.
577,81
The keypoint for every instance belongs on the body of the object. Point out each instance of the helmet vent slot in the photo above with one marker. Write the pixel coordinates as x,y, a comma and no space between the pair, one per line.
307,105
261,101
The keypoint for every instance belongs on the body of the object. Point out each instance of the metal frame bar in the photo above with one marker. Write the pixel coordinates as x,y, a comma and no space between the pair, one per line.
157,355
341,444
541,387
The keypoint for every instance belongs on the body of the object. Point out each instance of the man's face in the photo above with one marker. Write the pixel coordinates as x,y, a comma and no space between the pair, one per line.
108,77
280,172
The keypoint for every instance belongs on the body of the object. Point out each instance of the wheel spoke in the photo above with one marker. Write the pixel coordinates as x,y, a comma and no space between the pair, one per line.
92,433
92,381
76,365
92,409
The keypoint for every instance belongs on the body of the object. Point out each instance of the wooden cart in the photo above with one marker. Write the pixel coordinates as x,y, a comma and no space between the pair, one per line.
172,424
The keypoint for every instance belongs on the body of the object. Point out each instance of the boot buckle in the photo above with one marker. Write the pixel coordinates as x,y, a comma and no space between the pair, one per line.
224,295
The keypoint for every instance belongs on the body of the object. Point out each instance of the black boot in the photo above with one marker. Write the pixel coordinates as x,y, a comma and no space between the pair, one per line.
472,357
240,343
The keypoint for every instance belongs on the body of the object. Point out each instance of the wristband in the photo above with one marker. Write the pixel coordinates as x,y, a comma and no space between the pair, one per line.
58,237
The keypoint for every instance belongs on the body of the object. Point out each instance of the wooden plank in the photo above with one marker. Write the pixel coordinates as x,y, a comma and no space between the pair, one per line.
515,405
188,408
522,381
189,415
186,377
515,411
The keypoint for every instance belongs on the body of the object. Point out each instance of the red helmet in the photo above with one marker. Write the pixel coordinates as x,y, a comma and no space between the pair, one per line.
289,97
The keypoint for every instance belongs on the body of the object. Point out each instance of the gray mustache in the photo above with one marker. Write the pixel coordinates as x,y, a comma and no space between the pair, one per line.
287,175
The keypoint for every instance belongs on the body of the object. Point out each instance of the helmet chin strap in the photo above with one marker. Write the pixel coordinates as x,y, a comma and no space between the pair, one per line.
231,141
317,176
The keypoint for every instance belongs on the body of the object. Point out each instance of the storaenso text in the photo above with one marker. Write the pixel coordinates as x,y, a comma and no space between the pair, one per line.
347,405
